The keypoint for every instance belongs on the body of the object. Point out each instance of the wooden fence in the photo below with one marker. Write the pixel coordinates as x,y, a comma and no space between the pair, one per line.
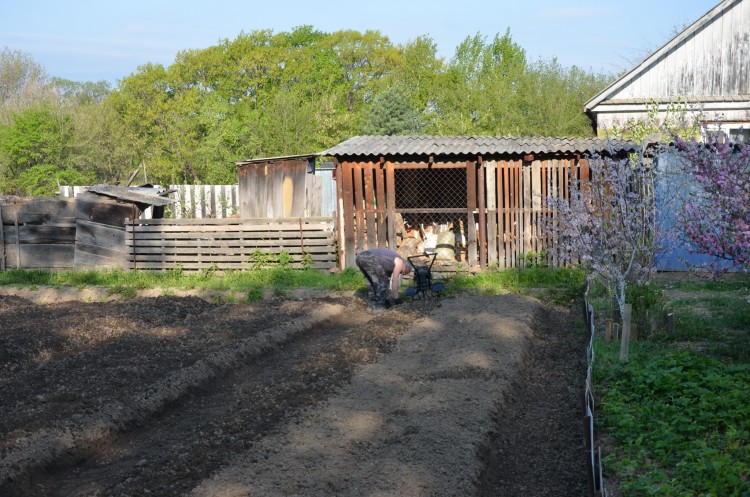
192,245
191,201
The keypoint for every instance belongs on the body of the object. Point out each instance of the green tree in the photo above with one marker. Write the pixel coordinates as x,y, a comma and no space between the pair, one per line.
35,142
480,87
391,114
552,97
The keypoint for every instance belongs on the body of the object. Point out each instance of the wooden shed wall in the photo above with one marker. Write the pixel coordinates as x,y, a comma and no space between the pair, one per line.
279,188
100,231
714,61
36,233
502,204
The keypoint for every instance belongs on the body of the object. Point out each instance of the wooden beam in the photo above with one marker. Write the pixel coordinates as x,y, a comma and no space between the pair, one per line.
471,197
359,206
2,241
492,212
370,217
348,190
481,185
390,185
381,203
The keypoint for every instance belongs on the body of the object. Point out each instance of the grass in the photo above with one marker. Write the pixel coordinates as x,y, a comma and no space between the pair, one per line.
676,411
560,285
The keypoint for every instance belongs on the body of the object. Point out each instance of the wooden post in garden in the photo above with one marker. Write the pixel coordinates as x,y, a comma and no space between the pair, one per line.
608,332
670,323
2,241
18,243
625,342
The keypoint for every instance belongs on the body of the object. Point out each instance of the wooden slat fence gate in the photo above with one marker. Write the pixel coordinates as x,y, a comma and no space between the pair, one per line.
226,244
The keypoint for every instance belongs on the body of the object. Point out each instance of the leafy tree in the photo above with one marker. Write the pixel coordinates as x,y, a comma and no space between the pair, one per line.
479,88
391,114
551,98
717,219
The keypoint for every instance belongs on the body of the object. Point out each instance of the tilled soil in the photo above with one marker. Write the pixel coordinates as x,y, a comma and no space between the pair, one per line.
177,396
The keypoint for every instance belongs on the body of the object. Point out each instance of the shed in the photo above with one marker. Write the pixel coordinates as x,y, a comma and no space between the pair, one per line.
101,214
279,187
485,192
706,67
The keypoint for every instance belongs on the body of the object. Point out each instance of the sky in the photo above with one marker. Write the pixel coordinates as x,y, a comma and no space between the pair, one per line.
94,40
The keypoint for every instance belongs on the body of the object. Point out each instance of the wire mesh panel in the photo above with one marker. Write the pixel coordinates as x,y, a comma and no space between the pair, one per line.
431,207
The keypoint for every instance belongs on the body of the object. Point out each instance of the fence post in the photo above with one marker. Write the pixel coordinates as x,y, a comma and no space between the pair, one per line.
2,241
625,343
670,323
18,243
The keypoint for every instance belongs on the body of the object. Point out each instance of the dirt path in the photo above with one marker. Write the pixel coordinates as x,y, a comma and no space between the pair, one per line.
175,396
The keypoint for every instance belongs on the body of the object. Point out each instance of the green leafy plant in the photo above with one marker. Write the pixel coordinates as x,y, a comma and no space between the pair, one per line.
681,426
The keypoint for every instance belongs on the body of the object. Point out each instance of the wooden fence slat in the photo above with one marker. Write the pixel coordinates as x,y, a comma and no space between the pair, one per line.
380,199
492,211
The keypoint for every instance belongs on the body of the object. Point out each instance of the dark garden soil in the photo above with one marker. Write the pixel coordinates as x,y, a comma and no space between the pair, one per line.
172,396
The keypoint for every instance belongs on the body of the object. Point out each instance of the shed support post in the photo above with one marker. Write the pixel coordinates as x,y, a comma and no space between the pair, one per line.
471,196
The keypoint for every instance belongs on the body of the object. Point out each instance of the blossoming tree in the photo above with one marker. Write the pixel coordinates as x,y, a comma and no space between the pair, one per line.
608,224
716,219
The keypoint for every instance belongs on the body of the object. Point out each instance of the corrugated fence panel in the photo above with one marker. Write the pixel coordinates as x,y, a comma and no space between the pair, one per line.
231,243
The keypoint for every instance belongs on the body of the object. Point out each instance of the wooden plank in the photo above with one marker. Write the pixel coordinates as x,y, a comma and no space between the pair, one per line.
240,251
221,258
381,204
239,244
390,184
229,230
42,256
36,210
298,173
313,195
340,224
349,243
536,205
199,266
482,219
100,209
359,206
35,233
471,196
507,244
517,212
103,235
233,221
18,243
2,241
527,208
492,238
370,219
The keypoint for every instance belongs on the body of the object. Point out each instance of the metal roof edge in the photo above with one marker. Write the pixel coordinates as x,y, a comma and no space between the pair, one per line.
281,157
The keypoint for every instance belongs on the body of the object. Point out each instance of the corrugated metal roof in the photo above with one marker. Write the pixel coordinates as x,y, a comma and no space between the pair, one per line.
472,145
138,195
